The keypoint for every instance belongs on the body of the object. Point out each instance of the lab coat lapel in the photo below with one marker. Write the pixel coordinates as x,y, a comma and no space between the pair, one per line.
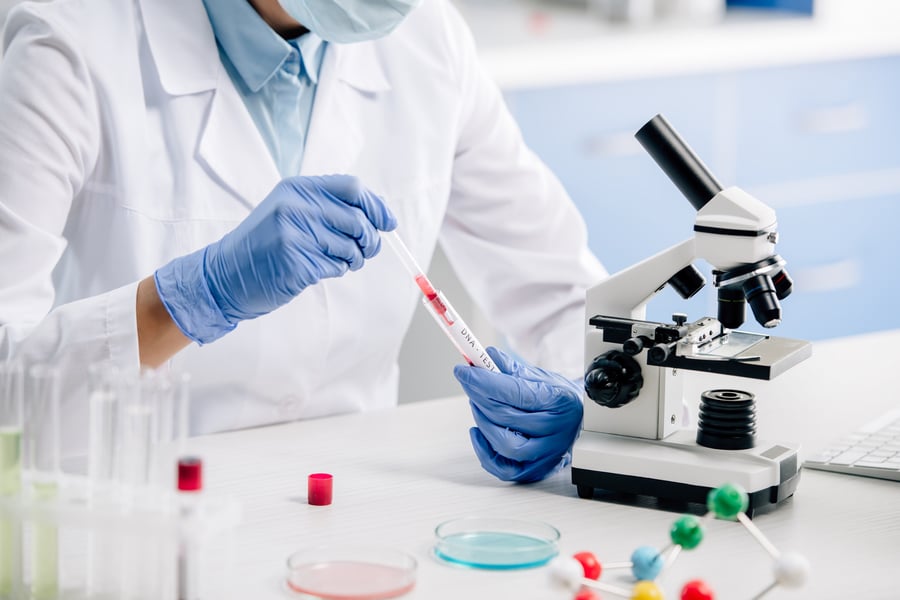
232,148
184,50
350,76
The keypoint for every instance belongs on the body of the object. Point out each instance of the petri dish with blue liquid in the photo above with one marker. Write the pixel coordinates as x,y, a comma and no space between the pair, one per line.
496,543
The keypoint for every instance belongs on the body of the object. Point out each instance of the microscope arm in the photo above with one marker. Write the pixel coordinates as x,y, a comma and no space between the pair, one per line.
626,293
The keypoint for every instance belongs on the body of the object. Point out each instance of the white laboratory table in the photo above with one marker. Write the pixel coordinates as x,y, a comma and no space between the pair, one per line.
399,473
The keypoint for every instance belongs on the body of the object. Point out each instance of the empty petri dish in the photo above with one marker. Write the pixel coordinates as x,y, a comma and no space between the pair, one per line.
364,573
496,543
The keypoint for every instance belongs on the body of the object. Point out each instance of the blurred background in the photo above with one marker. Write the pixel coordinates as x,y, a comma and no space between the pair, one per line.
796,101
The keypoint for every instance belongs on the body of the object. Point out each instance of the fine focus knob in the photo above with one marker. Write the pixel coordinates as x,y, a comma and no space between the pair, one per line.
613,379
633,346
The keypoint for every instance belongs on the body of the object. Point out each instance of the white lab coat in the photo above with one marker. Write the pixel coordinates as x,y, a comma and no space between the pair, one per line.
123,144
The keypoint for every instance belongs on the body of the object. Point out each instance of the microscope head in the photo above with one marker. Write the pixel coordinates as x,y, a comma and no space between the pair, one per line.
737,233
733,231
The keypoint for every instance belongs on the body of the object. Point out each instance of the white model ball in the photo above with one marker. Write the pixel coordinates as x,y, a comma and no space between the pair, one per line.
567,571
791,570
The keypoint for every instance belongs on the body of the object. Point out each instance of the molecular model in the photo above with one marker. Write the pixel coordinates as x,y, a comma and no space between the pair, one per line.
580,573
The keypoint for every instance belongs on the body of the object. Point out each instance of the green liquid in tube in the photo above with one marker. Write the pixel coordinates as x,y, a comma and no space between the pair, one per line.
45,568
10,485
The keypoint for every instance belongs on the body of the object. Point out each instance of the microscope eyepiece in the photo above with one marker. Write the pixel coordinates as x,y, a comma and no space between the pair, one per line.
678,161
760,294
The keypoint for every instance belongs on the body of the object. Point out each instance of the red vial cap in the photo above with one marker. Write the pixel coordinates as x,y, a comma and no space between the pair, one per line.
318,489
190,474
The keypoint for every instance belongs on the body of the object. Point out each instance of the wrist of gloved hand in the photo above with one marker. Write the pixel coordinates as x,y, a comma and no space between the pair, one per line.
526,418
183,290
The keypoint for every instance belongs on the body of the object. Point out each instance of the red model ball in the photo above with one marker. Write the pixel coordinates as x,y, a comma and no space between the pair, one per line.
696,590
590,564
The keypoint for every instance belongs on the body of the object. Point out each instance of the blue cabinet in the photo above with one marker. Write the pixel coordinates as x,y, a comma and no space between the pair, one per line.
808,139
843,257
803,122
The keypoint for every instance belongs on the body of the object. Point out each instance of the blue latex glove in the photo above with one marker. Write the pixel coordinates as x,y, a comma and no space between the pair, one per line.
527,418
306,229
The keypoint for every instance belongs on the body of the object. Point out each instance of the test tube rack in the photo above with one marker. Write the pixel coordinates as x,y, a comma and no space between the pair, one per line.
79,544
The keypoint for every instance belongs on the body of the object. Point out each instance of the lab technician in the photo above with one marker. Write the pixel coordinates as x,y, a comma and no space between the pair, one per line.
167,192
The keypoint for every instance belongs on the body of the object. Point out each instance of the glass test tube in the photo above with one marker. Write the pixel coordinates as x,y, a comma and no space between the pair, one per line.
42,462
11,421
137,427
183,412
104,443
159,390
104,433
138,432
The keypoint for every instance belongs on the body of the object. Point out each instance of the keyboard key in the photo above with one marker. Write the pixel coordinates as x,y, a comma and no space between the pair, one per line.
871,459
821,458
867,443
848,458
876,465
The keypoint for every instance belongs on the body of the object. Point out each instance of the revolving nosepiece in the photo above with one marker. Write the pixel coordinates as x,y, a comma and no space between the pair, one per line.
762,285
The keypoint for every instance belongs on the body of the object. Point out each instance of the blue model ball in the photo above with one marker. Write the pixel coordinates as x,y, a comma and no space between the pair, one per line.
646,563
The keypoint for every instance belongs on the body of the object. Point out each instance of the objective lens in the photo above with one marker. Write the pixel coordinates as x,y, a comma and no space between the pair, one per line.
784,285
687,282
760,294
731,307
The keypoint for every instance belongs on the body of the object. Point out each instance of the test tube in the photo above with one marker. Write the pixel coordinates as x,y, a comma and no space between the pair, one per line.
104,433
157,394
137,438
104,404
459,333
147,418
190,486
11,421
183,429
41,454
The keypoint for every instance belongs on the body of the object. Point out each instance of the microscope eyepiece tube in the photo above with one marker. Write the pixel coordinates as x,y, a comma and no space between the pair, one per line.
678,161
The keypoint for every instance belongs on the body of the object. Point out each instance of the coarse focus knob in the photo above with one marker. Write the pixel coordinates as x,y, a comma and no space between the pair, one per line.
613,379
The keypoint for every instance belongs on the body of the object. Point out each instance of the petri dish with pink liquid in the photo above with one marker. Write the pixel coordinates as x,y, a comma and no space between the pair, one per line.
350,573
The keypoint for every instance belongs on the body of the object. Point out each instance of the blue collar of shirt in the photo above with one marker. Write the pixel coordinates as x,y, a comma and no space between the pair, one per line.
255,50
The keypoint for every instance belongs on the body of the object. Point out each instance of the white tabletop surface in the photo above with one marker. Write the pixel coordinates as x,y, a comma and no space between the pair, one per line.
401,472
535,43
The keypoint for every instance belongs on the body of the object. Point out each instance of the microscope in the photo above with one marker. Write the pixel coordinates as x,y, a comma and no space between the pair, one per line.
633,441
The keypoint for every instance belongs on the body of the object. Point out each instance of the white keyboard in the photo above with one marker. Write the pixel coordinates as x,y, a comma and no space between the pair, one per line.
873,451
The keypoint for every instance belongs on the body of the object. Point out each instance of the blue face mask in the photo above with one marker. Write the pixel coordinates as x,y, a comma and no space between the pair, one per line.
345,21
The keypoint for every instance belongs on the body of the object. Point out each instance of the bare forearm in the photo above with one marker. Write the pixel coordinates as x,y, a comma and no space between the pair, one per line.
159,339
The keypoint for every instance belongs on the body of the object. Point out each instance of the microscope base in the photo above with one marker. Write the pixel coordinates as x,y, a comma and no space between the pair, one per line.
678,469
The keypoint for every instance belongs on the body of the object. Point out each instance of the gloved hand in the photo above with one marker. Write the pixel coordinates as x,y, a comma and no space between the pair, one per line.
306,229
527,417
